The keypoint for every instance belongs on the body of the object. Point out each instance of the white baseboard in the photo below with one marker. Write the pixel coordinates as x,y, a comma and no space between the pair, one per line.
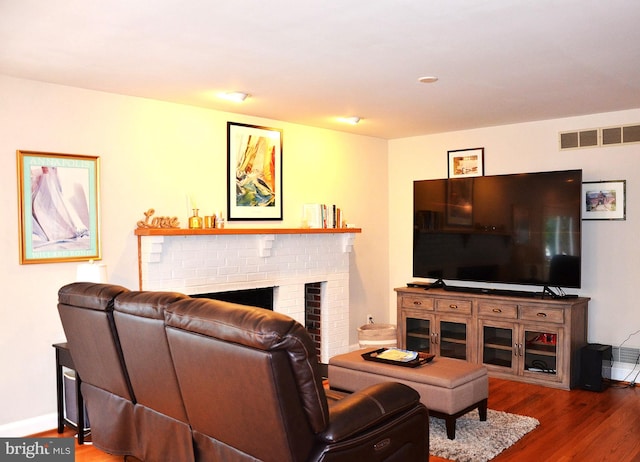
30,426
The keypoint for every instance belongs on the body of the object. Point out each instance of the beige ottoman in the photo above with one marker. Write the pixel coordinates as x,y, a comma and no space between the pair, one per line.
449,388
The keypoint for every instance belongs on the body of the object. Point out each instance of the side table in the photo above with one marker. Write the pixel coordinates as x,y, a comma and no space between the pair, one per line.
63,359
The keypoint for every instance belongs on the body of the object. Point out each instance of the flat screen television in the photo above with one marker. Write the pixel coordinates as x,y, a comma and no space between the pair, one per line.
509,229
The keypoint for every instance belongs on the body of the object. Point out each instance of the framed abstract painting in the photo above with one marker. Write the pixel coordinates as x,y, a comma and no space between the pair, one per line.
254,172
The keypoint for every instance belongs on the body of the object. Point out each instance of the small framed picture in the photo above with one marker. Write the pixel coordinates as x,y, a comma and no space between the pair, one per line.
464,163
59,207
604,200
254,172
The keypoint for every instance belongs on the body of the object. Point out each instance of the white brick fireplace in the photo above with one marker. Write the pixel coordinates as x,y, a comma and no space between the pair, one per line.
205,261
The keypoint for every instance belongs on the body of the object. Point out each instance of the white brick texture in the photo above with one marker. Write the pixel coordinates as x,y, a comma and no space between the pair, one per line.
194,264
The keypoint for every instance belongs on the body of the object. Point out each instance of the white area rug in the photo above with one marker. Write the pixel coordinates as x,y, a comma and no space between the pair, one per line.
478,441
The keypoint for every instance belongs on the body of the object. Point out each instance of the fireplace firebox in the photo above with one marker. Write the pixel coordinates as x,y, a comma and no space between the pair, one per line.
261,297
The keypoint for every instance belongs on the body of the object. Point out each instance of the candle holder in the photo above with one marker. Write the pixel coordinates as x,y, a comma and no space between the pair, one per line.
210,221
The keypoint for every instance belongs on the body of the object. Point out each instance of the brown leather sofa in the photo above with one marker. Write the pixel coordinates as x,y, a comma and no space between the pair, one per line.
167,377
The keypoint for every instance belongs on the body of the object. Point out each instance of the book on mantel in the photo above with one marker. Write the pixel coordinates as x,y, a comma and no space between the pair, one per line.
322,216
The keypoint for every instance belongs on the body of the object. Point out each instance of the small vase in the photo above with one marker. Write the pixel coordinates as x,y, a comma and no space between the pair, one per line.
195,222
210,221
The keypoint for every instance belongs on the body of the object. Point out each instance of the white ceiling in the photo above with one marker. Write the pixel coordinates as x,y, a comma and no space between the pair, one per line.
310,61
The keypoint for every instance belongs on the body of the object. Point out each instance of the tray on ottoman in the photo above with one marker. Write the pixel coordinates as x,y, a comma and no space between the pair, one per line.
420,357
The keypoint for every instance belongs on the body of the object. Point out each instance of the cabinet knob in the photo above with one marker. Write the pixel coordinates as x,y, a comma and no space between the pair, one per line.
453,307
417,302
497,310
542,315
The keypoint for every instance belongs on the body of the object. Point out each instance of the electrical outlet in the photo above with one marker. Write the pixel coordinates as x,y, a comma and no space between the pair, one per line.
369,319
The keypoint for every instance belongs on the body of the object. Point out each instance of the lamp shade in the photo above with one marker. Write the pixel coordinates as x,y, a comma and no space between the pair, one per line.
91,272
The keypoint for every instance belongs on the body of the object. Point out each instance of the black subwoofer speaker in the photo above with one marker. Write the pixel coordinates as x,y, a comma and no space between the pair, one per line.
595,366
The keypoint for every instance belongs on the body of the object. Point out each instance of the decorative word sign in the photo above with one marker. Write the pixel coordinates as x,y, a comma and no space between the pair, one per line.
158,222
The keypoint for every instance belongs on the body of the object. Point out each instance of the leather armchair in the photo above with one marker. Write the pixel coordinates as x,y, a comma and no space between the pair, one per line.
160,416
86,312
253,391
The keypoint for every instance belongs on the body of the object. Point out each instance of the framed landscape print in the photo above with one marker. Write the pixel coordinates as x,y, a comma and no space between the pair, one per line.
254,172
604,200
58,207
464,163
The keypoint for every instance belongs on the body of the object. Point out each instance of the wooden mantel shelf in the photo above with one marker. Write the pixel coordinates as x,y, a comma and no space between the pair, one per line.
221,231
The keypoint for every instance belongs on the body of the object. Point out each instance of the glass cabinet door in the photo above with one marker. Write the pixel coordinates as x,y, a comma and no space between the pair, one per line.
497,347
453,339
418,334
541,351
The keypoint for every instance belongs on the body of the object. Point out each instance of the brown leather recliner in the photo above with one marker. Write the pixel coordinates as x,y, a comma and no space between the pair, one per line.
160,416
253,392
225,382
86,312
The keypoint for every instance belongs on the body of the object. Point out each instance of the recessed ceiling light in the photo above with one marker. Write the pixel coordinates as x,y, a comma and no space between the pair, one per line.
428,79
235,96
353,120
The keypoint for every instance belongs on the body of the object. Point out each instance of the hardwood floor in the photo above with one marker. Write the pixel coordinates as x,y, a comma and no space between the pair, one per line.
575,425
85,452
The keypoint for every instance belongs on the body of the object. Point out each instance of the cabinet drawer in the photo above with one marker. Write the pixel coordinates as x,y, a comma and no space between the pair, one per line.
542,314
498,310
453,306
423,303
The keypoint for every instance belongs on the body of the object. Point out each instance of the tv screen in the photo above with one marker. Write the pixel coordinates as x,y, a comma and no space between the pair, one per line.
511,229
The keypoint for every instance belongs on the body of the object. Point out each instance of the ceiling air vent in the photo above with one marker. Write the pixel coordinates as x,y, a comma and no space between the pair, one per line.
579,139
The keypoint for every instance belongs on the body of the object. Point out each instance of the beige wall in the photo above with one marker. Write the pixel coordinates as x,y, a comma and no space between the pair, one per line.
154,154
610,248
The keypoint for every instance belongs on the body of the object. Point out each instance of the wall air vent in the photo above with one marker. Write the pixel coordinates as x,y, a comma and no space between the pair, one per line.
621,135
609,136
579,139
569,140
631,134
626,355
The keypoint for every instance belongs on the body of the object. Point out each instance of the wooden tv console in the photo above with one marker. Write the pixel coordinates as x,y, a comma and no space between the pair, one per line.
530,339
